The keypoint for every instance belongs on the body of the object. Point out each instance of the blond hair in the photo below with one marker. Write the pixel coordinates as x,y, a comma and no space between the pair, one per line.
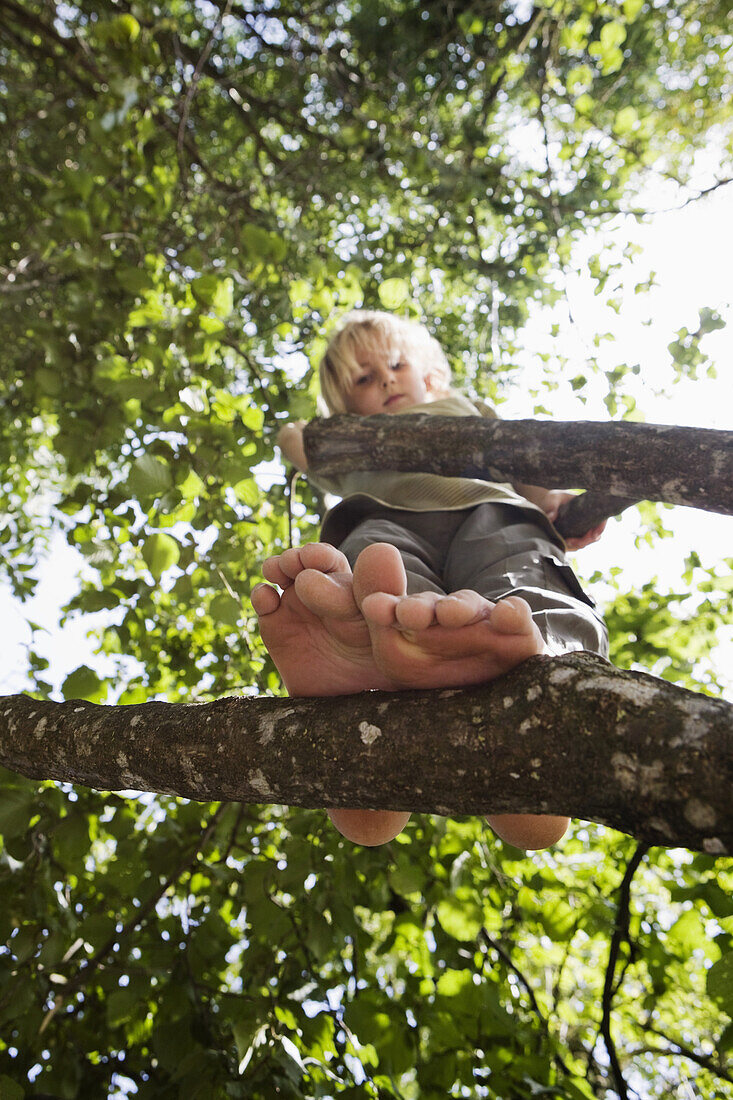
377,333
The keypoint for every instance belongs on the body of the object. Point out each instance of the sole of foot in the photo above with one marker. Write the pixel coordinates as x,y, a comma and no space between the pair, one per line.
313,630
427,640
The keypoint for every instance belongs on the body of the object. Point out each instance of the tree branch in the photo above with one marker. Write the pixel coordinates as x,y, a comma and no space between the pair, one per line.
624,462
557,735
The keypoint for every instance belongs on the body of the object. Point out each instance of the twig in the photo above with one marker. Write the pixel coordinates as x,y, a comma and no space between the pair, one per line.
191,90
621,933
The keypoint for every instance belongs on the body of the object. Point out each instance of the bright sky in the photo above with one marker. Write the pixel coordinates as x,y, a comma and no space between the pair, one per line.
690,251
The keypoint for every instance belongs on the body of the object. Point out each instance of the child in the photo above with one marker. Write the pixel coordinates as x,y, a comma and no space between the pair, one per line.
455,580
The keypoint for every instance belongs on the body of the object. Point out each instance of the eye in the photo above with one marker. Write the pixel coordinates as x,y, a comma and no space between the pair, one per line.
363,379
398,365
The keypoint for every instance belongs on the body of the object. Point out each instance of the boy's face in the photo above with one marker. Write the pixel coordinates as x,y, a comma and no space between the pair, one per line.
388,381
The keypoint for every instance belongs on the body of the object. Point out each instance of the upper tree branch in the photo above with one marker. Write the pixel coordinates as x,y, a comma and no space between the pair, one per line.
559,735
624,462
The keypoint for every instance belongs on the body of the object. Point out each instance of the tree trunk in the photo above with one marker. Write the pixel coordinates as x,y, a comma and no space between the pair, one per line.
623,462
557,735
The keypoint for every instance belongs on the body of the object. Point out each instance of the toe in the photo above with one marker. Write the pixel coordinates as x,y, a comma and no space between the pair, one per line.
379,609
512,615
290,562
417,612
264,599
272,571
324,558
462,609
327,595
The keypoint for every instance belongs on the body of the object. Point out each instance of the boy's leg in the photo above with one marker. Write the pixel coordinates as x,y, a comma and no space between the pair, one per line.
320,644
421,545
422,559
500,551
468,640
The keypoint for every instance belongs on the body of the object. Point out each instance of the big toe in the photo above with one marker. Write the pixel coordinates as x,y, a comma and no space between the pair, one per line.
379,568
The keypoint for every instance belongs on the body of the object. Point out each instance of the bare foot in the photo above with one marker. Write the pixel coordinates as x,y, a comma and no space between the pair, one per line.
320,644
314,631
427,640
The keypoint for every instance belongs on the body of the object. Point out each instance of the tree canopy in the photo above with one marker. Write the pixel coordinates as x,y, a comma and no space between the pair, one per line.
192,193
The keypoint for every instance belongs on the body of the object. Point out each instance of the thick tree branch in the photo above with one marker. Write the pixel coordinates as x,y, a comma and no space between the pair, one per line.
622,462
558,735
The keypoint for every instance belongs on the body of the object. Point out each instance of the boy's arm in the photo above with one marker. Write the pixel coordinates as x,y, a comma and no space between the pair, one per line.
290,442
551,501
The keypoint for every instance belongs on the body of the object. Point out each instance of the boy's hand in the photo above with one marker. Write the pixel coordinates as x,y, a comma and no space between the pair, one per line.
290,442
551,505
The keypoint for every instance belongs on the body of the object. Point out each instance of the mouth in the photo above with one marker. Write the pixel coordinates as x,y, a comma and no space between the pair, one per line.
391,400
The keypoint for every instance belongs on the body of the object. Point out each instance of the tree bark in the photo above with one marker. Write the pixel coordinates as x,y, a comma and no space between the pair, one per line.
557,735
622,462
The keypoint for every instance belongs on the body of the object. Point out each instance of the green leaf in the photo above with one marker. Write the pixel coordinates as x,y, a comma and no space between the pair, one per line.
205,288
393,293
578,1089
612,35
49,382
225,610
9,1089
126,27
406,878
160,552
453,982
625,121
134,279
71,840
688,932
120,1006
719,982
15,810
319,936
462,920
149,477
171,1042
84,683
223,300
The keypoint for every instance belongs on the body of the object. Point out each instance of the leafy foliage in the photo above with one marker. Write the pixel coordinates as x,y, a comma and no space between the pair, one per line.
193,192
